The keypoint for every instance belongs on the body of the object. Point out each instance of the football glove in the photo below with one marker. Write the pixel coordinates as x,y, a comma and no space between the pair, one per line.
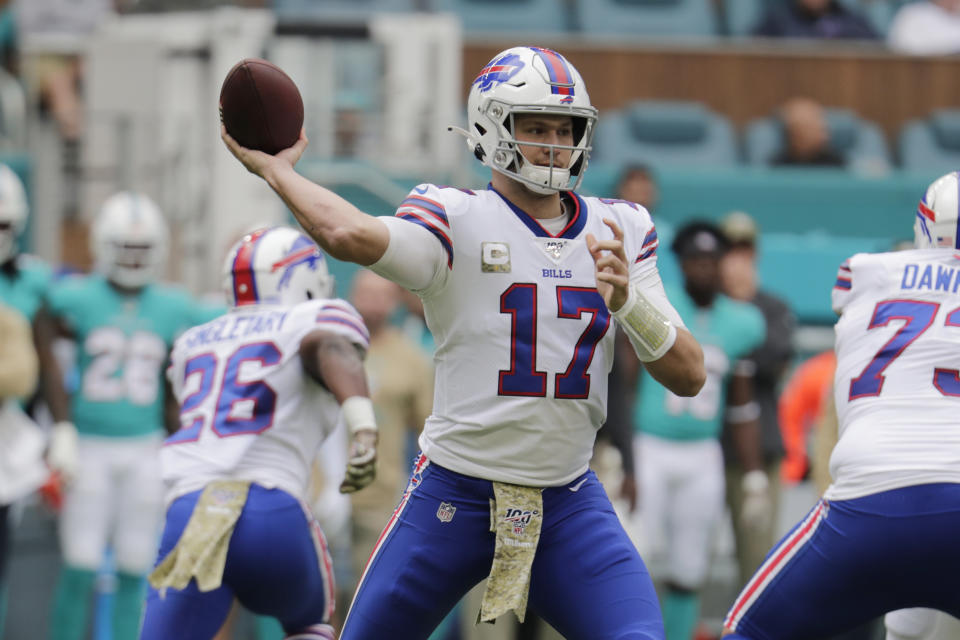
63,454
362,463
756,511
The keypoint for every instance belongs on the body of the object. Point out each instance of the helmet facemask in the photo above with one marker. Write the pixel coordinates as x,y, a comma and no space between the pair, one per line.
509,159
8,241
133,264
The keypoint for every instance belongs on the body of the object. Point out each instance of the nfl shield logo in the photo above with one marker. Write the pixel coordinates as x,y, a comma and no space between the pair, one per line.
445,512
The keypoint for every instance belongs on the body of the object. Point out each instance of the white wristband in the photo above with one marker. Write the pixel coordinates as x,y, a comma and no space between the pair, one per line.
650,331
755,481
743,412
358,414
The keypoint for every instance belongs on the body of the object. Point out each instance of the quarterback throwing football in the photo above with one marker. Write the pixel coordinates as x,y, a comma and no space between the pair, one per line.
520,283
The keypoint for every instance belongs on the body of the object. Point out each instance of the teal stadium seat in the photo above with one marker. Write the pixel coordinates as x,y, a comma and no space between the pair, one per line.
665,133
878,12
742,16
859,141
527,16
932,144
648,18
334,12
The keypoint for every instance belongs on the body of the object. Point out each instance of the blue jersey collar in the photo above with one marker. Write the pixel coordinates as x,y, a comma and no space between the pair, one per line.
577,220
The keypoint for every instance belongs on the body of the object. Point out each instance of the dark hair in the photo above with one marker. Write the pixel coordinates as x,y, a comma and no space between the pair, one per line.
699,237
636,170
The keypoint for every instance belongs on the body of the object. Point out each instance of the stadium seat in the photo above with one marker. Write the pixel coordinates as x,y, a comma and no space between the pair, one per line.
670,18
880,13
932,144
741,16
334,12
663,132
531,16
859,141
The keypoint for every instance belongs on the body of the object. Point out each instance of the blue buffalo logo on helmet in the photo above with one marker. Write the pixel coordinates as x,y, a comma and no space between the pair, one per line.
499,70
303,251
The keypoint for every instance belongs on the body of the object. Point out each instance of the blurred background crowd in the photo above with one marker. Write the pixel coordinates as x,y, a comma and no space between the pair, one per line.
802,131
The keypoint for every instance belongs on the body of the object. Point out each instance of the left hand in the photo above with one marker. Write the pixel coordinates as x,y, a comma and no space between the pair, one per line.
628,491
610,266
362,463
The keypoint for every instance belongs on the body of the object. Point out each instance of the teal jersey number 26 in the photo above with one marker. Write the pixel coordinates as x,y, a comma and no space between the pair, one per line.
122,344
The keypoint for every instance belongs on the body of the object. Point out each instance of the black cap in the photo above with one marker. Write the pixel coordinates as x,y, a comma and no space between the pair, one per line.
699,238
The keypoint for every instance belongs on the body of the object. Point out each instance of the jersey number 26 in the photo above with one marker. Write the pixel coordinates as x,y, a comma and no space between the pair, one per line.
241,407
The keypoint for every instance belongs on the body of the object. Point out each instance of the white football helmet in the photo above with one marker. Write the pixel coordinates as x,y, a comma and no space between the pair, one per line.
528,80
275,265
13,212
935,225
129,240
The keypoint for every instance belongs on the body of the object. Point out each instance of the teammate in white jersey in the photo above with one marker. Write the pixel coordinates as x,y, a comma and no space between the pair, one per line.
882,536
519,283
259,389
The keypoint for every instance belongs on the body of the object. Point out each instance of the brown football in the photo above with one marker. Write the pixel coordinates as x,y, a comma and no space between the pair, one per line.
261,106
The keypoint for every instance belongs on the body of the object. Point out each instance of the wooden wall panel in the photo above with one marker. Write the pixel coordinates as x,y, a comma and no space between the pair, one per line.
749,80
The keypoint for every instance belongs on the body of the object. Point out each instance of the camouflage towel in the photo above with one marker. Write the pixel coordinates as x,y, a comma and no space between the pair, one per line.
516,515
201,552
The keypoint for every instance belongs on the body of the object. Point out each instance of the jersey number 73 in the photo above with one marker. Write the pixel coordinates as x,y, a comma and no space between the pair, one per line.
918,316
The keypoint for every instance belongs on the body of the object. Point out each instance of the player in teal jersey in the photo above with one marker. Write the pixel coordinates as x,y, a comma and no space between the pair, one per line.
677,444
108,433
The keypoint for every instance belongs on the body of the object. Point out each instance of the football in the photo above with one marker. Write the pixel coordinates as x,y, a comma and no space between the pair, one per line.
260,106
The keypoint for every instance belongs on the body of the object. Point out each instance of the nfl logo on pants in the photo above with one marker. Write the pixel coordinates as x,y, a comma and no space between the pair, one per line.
445,512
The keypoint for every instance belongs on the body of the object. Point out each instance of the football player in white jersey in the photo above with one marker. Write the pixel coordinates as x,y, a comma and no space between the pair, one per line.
519,284
259,389
882,536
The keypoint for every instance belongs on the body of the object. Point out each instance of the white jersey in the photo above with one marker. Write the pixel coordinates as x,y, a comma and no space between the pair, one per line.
248,410
897,388
524,341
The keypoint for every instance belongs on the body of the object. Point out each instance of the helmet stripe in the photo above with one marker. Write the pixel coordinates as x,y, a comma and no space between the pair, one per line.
297,256
244,282
561,80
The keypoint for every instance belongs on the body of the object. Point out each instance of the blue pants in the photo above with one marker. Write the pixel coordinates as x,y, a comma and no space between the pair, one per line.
850,561
273,568
588,580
